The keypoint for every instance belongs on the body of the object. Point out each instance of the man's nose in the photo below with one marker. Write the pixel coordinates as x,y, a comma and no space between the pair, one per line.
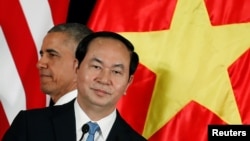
42,63
104,76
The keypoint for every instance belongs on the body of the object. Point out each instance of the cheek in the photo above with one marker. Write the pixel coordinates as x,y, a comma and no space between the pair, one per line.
63,72
59,68
83,77
120,90
121,86
80,77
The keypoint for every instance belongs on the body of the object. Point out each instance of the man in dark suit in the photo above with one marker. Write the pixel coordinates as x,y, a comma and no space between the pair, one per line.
57,57
106,66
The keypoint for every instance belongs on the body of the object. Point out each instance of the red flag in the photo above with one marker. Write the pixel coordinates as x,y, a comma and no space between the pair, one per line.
194,64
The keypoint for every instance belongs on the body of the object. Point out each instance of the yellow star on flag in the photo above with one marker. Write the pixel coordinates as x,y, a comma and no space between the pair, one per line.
191,60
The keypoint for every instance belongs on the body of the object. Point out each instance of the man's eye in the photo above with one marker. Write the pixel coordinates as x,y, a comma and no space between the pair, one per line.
116,72
96,67
51,54
41,53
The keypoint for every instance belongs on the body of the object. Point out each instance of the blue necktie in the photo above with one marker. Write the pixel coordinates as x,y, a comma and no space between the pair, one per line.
93,127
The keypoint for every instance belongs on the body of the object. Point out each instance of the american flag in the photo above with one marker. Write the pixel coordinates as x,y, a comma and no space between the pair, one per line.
23,24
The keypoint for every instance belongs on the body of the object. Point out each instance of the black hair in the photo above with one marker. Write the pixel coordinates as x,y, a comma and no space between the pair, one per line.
84,43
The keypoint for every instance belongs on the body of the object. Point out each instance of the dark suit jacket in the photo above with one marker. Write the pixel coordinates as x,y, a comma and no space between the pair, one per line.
57,123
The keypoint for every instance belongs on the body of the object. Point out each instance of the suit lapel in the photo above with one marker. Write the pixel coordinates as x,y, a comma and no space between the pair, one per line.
64,122
118,130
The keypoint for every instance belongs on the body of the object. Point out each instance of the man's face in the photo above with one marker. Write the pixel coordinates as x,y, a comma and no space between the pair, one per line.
103,76
57,65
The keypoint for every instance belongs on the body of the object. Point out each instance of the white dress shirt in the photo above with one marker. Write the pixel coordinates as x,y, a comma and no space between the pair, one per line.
105,124
66,98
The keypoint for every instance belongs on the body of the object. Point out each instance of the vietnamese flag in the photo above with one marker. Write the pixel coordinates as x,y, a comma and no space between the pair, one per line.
194,64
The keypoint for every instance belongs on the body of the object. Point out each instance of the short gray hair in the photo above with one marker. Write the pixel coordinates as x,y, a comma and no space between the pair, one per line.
76,31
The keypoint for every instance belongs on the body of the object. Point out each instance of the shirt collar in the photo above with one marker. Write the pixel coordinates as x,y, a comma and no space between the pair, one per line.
105,123
66,98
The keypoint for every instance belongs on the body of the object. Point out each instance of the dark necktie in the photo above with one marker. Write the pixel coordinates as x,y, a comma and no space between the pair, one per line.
93,127
51,102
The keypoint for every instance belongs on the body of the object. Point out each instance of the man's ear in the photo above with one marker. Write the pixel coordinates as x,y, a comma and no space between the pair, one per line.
130,80
76,64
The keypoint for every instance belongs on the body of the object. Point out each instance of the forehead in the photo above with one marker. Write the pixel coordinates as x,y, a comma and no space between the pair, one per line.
109,48
56,37
108,43
58,41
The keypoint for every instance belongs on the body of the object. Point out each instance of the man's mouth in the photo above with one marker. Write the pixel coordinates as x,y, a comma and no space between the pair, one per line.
98,90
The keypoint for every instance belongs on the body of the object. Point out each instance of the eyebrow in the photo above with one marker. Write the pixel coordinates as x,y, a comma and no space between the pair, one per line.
113,66
49,51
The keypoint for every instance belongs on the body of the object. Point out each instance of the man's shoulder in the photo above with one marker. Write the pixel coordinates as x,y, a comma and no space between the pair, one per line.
45,111
125,130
